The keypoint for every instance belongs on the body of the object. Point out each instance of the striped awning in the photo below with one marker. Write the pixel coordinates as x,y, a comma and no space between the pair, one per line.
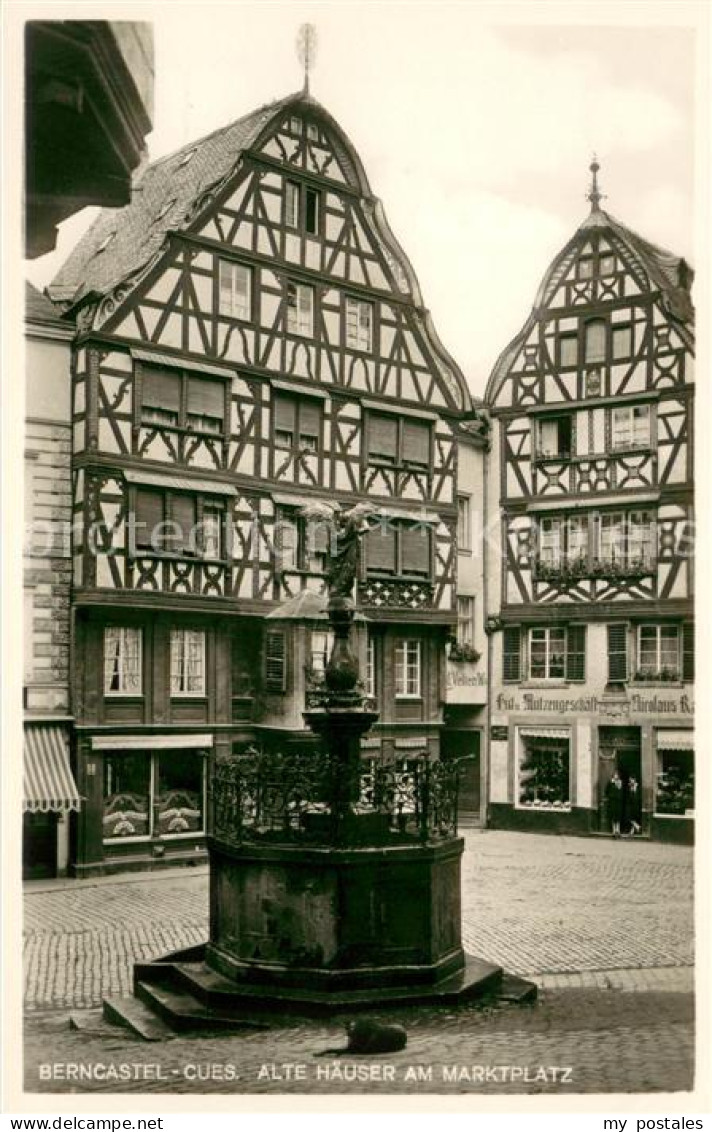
49,783
679,740
545,732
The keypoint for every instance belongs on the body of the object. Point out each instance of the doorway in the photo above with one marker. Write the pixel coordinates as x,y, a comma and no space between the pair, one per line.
619,750
39,846
465,744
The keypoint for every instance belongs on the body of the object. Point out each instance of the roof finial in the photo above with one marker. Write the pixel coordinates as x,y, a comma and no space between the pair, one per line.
594,194
306,51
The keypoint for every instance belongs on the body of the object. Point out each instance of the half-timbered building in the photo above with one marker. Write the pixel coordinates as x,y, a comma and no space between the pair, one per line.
593,479
251,339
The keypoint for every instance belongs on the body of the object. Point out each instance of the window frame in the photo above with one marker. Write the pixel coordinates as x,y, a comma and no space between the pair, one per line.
295,446
233,266
403,645
196,553
305,557
181,633
293,324
122,692
658,627
153,792
297,197
555,419
549,654
361,304
464,524
400,464
631,444
185,375
465,627
397,526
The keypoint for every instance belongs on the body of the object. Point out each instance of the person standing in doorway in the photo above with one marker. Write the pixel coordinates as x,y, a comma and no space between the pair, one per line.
634,806
614,802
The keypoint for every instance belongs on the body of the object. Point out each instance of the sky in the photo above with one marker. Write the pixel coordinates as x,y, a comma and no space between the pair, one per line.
476,125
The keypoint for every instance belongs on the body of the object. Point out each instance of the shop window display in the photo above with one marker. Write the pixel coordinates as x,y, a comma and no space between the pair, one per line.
153,795
675,792
544,773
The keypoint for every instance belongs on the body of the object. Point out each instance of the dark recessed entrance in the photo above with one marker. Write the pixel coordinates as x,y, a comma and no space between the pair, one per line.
619,749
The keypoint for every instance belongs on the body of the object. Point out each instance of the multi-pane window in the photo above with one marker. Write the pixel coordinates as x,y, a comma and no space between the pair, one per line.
466,620
122,661
464,524
168,522
408,669
173,398
300,543
401,442
544,770
302,205
235,290
547,653
397,548
626,538
557,652
300,309
296,423
187,662
554,436
563,539
659,651
568,350
359,324
595,341
322,642
153,794
630,426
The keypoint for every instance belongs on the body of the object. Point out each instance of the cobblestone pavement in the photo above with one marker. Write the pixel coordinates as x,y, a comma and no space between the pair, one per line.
573,1041
572,912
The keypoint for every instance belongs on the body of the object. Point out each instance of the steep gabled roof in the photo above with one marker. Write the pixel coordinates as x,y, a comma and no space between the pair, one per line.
121,241
666,272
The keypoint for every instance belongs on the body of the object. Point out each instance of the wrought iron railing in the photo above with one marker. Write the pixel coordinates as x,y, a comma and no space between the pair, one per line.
313,797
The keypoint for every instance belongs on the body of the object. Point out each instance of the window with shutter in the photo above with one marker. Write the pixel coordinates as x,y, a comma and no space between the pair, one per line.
617,654
512,654
309,413
275,661
149,519
284,415
416,443
415,550
383,438
161,396
183,522
206,405
688,652
381,550
576,652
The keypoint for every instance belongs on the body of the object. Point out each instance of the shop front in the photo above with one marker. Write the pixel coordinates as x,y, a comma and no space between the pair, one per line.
563,762
146,801
50,795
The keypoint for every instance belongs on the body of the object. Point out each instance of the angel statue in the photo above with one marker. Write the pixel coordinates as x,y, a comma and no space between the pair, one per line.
344,550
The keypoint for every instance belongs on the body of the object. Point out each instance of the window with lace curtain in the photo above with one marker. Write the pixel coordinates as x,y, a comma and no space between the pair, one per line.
122,661
187,662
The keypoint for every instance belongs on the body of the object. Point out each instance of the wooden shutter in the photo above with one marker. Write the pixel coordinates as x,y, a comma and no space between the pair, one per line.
284,413
309,418
149,514
381,550
275,661
512,654
576,652
183,516
415,550
688,652
161,388
416,442
383,437
617,654
206,398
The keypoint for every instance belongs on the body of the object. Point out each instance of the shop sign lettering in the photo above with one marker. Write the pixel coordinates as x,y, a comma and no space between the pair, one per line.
637,704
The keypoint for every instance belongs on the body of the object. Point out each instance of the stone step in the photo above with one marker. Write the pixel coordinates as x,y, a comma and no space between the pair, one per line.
136,1016
181,1010
516,990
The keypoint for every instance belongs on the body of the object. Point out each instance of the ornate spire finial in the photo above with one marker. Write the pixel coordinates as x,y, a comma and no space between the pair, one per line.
594,194
306,51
